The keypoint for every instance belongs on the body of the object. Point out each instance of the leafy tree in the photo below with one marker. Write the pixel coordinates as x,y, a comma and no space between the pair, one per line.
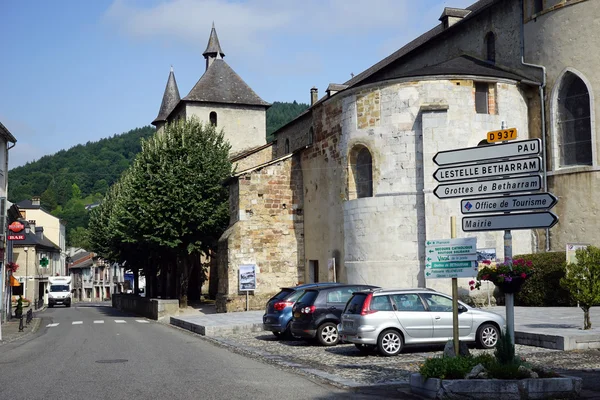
280,114
583,281
78,237
48,198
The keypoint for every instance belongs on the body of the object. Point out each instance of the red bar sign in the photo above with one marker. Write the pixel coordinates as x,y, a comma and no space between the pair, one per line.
16,237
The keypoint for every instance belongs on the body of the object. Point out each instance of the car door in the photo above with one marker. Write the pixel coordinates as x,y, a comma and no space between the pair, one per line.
414,318
440,308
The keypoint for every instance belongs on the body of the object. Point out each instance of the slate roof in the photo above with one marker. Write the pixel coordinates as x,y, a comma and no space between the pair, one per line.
213,47
6,133
474,9
28,205
170,99
220,84
454,12
462,65
31,239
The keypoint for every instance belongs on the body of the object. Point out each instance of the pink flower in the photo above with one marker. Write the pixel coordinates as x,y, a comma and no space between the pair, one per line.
529,263
523,275
486,262
471,282
472,287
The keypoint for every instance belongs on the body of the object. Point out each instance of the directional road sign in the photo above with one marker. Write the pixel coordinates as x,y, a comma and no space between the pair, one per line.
450,257
491,186
436,251
519,202
437,273
519,148
487,170
453,242
502,222
451,264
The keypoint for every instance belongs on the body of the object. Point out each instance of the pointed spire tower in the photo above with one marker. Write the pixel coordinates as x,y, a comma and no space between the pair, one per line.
213,49
170,99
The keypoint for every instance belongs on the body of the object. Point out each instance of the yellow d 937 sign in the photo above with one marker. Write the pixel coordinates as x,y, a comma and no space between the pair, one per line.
502,135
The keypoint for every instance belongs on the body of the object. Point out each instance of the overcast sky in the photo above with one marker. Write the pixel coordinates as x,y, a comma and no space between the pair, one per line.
74,71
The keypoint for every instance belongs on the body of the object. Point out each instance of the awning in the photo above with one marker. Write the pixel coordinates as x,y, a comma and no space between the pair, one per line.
14,281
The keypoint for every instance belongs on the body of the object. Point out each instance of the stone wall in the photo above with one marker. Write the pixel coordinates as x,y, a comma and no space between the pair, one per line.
296,133
244,126
149,308
267,231
258,156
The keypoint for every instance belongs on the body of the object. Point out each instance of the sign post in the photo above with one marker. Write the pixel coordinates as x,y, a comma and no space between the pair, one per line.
454,296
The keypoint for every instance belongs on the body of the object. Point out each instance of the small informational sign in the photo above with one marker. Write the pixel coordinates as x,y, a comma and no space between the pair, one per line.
451,258
16,237
247,277
571,251
502,135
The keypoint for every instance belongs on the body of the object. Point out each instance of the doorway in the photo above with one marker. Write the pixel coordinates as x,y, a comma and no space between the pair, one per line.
313,271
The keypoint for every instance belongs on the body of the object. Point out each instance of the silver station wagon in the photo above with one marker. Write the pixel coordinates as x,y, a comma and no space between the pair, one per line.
388,319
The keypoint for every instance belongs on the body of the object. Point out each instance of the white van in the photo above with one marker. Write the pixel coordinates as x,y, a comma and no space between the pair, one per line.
60,291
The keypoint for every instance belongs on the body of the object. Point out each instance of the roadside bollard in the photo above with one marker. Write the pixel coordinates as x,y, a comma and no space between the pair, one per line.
21,323
29,316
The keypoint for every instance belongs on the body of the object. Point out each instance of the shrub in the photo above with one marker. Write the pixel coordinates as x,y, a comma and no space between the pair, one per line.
543,289
452,367
505,350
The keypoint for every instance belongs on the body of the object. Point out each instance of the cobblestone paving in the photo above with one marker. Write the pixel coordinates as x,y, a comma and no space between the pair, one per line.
346,362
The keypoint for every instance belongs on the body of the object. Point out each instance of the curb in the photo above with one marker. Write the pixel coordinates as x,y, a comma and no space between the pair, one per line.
36,322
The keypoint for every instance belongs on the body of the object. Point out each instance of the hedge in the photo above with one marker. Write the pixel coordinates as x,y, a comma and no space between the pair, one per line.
543,288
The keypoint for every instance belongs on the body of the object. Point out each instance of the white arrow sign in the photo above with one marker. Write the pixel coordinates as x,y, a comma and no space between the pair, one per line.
519,202
491,186
436,251
520,148
436,257
486,170
509,221
452,242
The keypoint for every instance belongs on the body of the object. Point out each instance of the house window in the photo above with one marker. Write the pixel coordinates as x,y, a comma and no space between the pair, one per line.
311,136
574,123
490,44
287,146
538,6
481,98
213,118
361,173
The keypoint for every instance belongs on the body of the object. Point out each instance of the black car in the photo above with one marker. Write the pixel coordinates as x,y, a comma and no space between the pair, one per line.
317,313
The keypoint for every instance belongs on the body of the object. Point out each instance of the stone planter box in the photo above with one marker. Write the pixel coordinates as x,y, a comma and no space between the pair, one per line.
563,387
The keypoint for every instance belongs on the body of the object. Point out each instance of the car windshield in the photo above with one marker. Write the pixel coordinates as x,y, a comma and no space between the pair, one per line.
59,288
355,304
308,297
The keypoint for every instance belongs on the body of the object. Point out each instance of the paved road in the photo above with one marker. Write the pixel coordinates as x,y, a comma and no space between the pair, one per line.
95,352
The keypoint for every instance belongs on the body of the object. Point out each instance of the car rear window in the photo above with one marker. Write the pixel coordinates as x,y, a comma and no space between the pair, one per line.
295,295
355,304
282,294
308,297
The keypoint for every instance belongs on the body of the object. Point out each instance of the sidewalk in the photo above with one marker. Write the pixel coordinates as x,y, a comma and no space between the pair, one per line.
10,330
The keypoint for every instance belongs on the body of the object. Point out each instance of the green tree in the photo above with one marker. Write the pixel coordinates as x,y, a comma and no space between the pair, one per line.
583,281
48,198
79,237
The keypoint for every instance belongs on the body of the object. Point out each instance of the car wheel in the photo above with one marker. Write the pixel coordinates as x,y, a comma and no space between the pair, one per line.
487,336
364,348
389,343
327,334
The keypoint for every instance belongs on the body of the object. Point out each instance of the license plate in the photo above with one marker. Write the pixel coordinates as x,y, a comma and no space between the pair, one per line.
297,315
348,324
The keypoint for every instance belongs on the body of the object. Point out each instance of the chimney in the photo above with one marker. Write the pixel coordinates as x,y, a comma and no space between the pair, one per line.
39,232
35,201
450,16
314,95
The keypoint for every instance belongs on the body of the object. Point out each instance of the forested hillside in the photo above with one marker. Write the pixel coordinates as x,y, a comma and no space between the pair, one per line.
71,179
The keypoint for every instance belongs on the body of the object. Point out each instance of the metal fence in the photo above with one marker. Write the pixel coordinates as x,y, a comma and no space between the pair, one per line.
28,319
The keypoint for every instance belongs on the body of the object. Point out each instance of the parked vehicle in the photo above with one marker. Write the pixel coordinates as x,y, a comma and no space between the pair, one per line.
388,319
59,291
317,312
278,313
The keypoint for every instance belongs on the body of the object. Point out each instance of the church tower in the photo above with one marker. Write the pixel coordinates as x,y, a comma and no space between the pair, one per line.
170,100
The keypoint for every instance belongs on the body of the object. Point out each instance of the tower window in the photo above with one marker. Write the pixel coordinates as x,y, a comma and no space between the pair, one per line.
490,44
360,183
574,122
311,136
538,6
287,146
481,98
213,118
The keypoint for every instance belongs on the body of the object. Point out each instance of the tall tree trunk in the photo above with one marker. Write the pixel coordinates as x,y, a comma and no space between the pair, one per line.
587,323
184,281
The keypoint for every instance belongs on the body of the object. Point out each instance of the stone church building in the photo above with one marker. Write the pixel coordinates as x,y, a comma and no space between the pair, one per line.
346,189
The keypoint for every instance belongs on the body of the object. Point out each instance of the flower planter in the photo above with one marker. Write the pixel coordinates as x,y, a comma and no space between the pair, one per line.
563,387
513,286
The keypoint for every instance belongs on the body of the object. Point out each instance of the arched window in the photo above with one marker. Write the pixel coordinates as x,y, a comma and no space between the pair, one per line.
490,46
213,118
311,136
287,146
574,125
360,183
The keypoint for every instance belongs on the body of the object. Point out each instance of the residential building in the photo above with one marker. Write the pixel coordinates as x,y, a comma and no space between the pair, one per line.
54,228
94,279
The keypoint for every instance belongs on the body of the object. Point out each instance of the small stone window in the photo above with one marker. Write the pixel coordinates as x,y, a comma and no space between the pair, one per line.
213,118
490,45
574,122
538,6
311,136
360,183
482,98
287,146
